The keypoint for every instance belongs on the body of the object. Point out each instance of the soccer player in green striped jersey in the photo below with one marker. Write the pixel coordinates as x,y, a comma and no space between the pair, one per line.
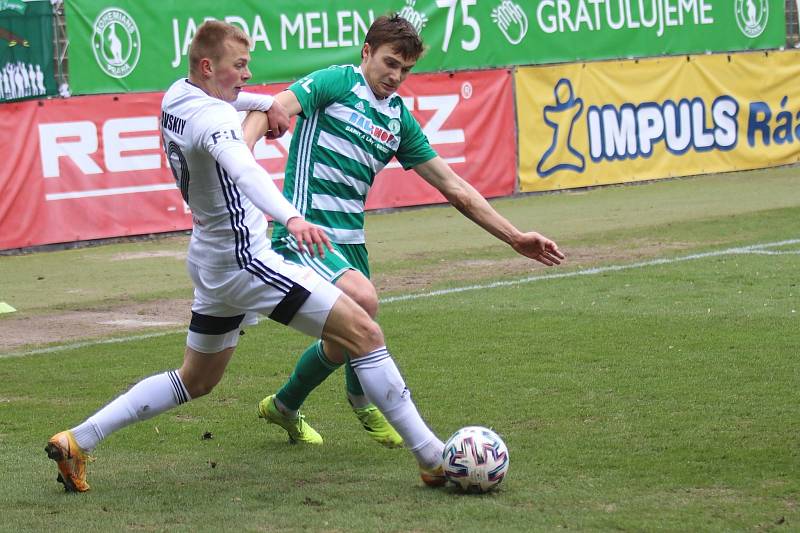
351,123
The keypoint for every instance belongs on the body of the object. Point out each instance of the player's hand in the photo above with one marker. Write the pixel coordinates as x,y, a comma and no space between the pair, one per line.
277,121
538,248
309,237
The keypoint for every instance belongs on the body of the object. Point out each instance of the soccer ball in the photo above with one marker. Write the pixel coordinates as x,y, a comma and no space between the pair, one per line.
475,458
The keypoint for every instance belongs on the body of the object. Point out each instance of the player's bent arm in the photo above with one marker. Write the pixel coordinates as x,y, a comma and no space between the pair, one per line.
246,101
290,102
256,124
258,186
255,182
254,127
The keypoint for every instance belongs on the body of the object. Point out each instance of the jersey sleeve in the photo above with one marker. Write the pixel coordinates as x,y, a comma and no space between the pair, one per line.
220,133
247,101
414,147
218,127
320,88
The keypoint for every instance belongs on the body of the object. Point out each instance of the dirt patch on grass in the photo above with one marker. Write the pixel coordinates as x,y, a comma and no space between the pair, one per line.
27,332
76,325
483,270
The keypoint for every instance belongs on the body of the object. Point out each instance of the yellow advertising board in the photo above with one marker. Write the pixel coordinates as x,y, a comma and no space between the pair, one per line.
620,121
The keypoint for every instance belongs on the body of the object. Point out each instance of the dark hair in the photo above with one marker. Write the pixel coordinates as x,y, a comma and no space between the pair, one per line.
209,39
396,31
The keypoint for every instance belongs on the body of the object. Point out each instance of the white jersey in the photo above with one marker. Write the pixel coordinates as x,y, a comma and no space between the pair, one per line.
199,132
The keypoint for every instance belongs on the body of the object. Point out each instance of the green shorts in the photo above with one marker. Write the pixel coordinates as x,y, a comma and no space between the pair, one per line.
344,257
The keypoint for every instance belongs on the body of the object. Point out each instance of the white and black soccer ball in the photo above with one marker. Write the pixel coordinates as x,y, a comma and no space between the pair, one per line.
475,459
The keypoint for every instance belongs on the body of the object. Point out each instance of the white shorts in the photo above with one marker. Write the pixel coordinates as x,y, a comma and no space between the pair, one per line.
291,294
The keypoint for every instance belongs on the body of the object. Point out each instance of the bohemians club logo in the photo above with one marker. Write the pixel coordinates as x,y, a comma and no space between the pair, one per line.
751,16
116,42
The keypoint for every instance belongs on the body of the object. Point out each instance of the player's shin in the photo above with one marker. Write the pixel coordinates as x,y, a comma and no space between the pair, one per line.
146,399
355,392
311,370
385,387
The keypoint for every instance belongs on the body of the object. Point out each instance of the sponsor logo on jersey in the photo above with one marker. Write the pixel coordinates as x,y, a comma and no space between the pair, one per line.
360,107
225,135
376,132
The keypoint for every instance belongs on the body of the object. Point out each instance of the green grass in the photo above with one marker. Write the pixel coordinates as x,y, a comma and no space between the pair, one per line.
662,398
617,221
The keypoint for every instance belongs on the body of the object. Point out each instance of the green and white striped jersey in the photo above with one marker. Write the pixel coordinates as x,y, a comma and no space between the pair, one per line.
344,137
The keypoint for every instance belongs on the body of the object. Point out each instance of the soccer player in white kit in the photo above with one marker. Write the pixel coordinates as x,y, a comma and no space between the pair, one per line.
234,271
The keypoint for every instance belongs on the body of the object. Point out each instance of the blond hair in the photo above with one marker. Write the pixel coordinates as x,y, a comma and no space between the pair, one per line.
209,40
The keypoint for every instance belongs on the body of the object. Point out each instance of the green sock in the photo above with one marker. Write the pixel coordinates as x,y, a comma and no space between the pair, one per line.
311,370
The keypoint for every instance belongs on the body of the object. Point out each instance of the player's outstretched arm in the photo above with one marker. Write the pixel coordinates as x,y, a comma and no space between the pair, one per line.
274,123
474,206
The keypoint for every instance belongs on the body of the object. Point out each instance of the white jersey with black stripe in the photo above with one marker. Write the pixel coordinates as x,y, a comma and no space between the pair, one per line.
228,230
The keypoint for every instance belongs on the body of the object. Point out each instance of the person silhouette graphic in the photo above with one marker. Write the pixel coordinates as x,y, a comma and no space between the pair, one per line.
561,155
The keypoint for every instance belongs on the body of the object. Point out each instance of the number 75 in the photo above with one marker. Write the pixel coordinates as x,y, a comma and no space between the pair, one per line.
466,20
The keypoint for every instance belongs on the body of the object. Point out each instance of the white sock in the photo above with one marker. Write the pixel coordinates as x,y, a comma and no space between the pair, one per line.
384,386
146,399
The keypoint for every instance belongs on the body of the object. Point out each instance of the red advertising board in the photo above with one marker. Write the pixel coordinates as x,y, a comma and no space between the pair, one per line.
92,167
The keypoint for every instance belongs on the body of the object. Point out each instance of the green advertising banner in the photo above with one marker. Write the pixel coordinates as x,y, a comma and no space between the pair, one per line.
26,50
139,46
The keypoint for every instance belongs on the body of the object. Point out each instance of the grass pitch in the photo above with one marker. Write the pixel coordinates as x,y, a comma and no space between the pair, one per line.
657,398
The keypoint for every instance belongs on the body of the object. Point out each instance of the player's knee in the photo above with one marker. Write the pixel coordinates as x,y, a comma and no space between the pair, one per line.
350,326
367,298
369,336
361,290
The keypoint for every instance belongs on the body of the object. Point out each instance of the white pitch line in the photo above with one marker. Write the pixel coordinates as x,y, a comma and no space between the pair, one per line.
752,249
76,345
756,248
774,252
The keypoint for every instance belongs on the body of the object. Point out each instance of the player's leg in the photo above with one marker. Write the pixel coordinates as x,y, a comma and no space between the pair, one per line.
343,267
360,289
314,365
319,309
210,343
151,396
351,327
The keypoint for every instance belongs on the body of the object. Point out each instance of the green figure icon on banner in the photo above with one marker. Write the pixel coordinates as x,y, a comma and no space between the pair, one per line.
116,42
